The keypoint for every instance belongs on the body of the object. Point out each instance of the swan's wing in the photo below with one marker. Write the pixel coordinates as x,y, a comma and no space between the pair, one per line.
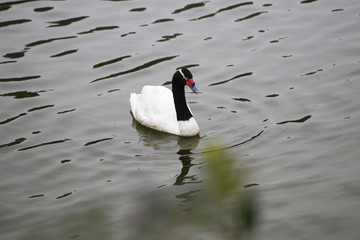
155,108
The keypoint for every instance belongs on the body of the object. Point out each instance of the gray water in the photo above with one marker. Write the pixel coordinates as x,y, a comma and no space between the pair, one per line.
279,83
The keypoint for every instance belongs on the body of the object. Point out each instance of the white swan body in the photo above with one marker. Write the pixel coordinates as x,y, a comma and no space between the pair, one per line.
156,108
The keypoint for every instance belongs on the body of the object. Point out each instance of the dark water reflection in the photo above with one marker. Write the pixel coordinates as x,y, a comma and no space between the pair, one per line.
185,158
162,141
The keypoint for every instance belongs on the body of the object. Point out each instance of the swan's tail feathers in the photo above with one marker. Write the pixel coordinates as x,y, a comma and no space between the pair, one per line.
133,102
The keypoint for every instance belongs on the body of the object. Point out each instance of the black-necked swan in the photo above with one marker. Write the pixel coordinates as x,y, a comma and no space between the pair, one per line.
158,108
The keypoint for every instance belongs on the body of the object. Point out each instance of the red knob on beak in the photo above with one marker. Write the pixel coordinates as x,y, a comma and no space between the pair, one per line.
190,82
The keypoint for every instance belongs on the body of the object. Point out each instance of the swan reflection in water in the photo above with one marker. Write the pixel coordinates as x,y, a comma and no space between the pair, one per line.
196,211
168,142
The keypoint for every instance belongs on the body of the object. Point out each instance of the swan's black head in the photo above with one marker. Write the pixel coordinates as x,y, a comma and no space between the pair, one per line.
184,77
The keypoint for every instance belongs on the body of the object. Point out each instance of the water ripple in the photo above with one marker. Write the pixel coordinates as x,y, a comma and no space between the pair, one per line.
44,144
242,99
64,195
67,111
48,41
19,79
313,72
13,22
6,62
235,77
129,33
308,1
43,9
163,20
97,29
138,68
236,144
250,16
40,108
189,7
140,9
15,55
169,37
66,22
15,142
20,94
272,95
301,120
97,141
222,10
37,196
12,118
115,60
64,53
234,6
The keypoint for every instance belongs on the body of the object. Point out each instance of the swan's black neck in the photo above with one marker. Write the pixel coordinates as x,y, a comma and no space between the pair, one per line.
182,111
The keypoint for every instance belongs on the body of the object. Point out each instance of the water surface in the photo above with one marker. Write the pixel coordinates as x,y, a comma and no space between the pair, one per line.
279,84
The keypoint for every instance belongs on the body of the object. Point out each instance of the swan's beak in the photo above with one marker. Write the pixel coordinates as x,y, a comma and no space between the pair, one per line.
194,89
190,82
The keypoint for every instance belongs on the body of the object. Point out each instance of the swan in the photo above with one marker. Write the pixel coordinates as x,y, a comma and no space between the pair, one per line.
159,108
